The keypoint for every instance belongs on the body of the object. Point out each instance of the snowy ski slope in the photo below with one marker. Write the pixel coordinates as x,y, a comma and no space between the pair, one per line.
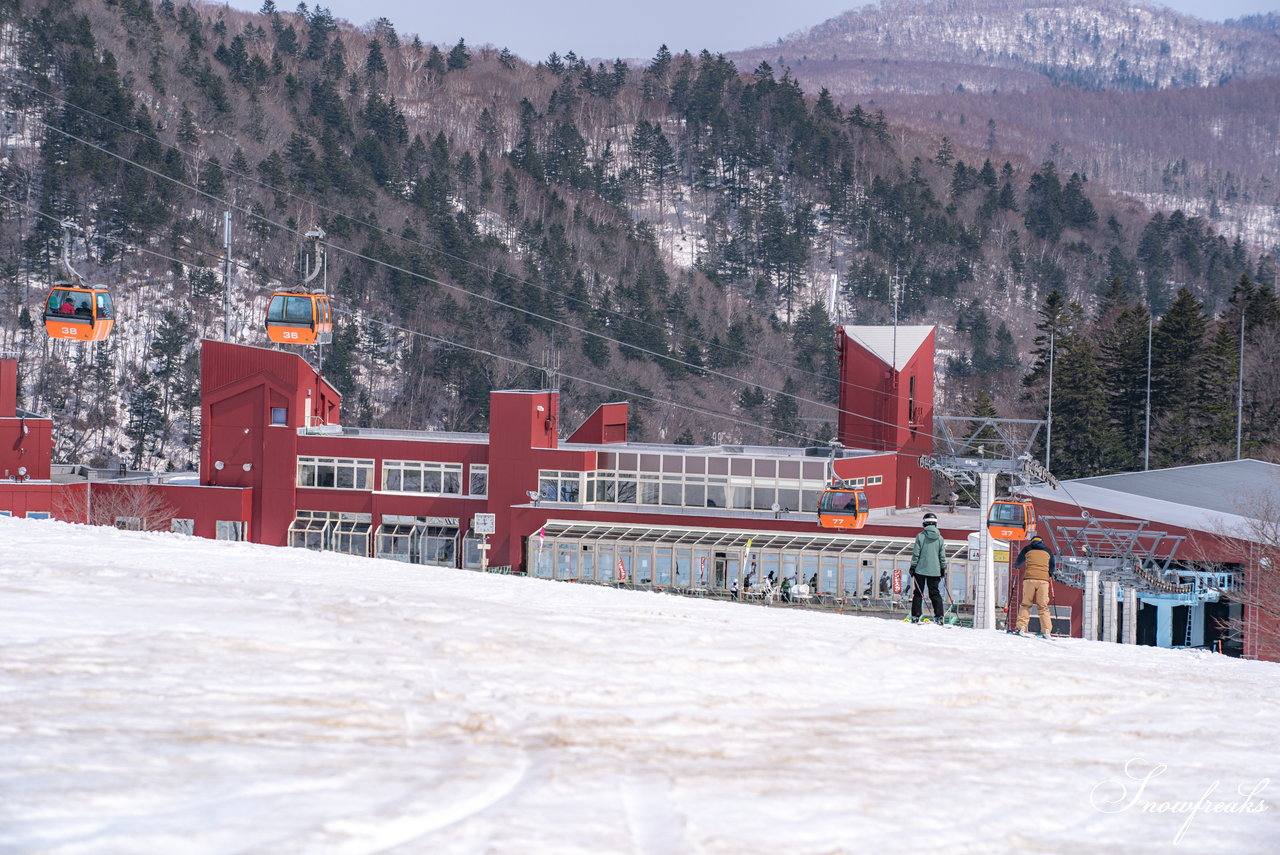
165,694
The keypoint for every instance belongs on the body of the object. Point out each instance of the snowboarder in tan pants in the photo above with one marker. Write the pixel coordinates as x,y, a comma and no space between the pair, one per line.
1035,585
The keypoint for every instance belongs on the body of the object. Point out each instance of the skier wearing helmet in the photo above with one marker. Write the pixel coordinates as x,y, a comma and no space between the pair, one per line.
928,568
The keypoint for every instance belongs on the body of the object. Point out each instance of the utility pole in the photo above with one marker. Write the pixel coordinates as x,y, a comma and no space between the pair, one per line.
990,447
1240,385
226,278
1146,431
1048,425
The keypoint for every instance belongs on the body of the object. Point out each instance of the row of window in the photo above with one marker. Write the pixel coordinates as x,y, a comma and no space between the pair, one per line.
226,529
739,466
689,491
838,575
398,476
414,540
857,483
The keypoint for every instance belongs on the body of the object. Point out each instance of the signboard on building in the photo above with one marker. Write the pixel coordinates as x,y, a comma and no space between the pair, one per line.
484,523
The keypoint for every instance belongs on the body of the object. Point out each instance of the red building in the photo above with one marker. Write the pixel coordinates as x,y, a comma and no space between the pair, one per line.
277,467
1212,527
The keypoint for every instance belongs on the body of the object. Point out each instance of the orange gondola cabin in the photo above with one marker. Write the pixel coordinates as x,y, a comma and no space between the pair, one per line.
1011,519
78,312
298,318
841,508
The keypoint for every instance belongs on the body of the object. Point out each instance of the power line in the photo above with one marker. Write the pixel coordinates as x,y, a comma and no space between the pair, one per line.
481,351
447,285
442,252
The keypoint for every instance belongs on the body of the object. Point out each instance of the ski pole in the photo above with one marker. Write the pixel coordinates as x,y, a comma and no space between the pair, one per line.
951,604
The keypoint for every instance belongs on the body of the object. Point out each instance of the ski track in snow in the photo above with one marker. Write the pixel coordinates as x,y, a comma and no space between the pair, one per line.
171,694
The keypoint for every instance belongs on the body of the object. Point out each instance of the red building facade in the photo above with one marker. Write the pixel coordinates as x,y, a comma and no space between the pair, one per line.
277,467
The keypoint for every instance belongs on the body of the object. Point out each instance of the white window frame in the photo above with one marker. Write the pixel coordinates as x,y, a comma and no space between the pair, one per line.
419,474
478,471
38,515
553,484
347,473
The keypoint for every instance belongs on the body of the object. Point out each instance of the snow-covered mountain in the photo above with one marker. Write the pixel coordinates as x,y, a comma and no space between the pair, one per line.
1094,43
171,694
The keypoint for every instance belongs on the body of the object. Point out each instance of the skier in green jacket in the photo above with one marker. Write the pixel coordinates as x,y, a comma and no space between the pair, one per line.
928,568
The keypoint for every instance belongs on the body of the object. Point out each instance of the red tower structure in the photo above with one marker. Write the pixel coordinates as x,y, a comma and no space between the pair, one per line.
886,401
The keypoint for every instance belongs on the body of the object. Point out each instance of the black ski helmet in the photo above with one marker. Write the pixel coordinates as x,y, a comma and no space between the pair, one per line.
930,519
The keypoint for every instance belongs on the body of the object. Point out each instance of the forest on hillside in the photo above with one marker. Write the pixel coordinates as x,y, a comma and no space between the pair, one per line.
663,234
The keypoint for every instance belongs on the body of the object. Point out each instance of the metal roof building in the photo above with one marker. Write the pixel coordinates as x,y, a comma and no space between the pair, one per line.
1185,529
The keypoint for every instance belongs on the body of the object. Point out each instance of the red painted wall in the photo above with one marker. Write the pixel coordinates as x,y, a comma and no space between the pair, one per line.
25,443
607,424
886,410
240,388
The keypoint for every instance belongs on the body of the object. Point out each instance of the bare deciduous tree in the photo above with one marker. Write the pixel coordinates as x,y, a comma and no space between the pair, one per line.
139,507
1257,540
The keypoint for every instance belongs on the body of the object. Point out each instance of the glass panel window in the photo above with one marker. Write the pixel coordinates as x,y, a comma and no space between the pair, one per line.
279,416
230,530
570,486
182,526
336,472
662,567
556,486
567,561
417,476
683,567
479,479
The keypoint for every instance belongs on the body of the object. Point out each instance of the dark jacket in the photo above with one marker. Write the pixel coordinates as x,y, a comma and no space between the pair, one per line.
1038,559
929,553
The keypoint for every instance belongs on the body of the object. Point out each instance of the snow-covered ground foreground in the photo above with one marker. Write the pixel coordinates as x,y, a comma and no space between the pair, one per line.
164,694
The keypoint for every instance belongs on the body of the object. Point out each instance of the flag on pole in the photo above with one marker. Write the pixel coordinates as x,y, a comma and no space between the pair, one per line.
542,535
622,571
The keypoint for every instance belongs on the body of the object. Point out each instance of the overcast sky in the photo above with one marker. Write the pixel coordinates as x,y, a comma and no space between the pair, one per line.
607,28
